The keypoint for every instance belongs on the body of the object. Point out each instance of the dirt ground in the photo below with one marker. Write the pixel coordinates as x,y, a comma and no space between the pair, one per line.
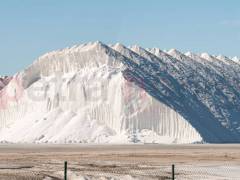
26,161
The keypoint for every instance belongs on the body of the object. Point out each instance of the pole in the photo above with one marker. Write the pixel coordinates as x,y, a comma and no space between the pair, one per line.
173,172
65,170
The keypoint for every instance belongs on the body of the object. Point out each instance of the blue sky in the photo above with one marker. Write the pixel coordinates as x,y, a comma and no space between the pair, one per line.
30,28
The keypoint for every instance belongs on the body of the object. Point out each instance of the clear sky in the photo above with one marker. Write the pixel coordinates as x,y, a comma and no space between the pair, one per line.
30,28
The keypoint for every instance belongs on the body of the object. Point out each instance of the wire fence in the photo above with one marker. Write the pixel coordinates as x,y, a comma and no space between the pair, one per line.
158,172
112,170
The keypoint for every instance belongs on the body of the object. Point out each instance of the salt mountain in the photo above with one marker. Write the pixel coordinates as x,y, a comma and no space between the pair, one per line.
4,80
94,93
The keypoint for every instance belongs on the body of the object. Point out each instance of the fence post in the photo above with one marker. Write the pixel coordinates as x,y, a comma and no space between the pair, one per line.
173,172
65,170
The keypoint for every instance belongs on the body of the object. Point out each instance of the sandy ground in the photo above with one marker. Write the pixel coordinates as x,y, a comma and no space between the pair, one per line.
23,161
